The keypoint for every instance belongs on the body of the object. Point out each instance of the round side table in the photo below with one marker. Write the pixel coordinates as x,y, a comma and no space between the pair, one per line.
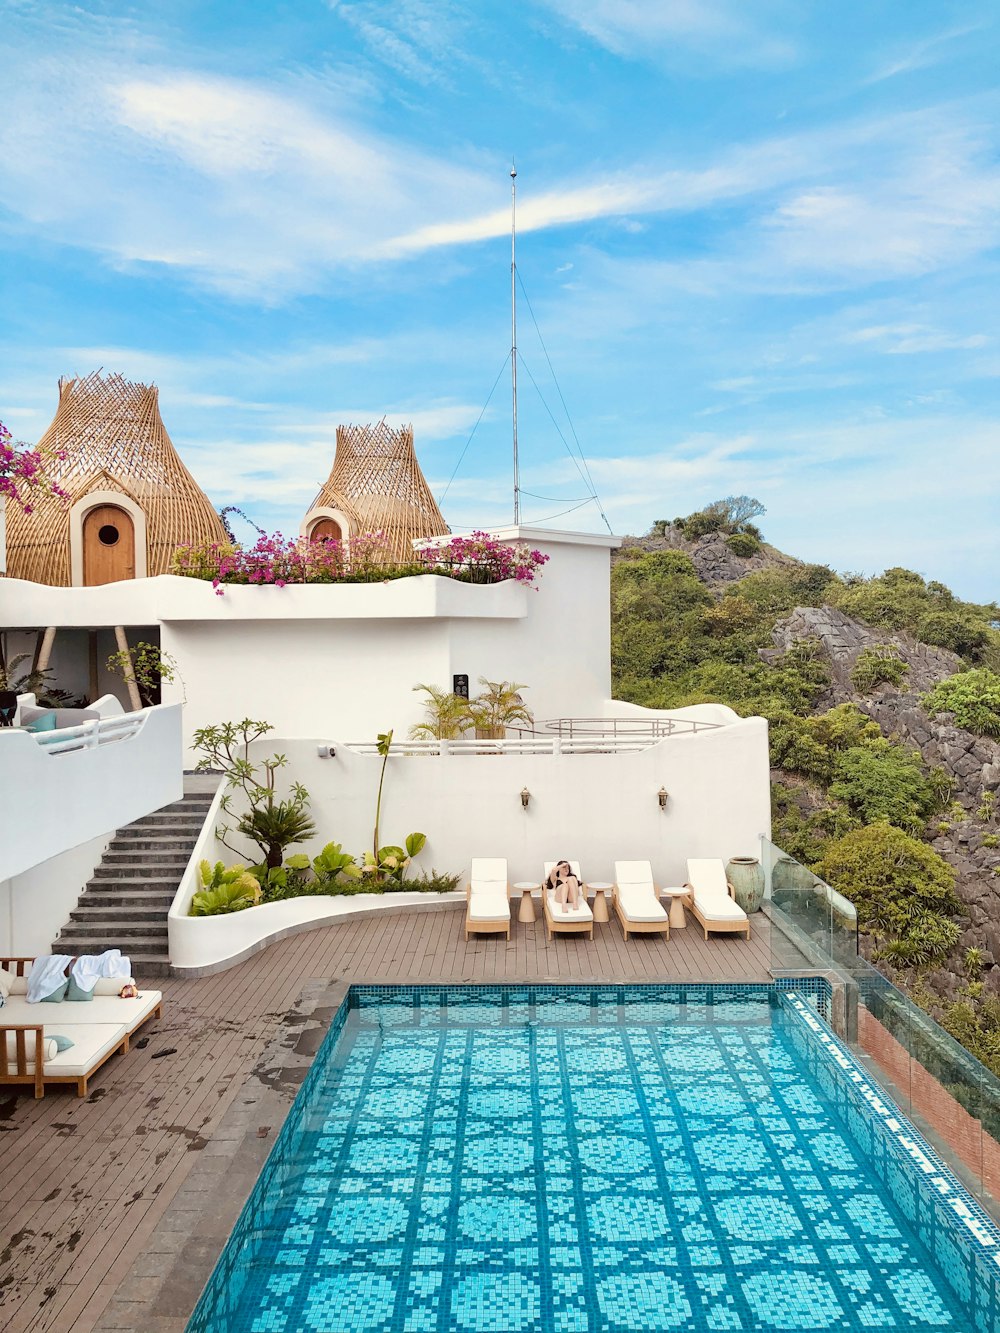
526,912
678,897
600,899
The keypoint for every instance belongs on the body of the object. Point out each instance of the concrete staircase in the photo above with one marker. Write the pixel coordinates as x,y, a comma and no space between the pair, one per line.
124,906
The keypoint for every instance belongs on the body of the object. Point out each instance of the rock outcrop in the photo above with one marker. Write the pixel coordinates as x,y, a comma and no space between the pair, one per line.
715,564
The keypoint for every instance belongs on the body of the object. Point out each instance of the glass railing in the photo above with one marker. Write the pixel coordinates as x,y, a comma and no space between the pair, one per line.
950,1095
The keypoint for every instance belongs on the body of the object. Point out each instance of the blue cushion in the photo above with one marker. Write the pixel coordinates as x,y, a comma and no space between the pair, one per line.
57,995
62,1043
47,722
75,992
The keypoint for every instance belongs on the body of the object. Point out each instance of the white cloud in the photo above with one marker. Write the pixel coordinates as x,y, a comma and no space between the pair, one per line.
907,339
923,54
730,32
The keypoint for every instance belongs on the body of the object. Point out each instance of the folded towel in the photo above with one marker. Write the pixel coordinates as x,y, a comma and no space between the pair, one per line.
47,974
90,967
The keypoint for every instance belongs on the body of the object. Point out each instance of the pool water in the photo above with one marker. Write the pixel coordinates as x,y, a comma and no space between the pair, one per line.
573,1164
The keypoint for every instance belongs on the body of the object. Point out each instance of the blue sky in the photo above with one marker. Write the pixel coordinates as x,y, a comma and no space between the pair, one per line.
761,241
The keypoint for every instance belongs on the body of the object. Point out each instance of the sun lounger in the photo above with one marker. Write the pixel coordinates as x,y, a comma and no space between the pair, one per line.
578,920
636,901
711,898
487,898
98,1029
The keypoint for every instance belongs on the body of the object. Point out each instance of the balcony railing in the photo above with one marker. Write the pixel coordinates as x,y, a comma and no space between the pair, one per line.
651,728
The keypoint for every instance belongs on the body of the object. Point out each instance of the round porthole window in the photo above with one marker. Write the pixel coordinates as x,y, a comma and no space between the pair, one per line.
108,534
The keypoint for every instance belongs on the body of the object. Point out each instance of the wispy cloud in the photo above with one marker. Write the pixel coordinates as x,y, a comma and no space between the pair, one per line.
924,53
909,339
662,30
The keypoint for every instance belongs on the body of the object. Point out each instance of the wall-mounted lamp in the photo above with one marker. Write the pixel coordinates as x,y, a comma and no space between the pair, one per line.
326,751
525,798
661,796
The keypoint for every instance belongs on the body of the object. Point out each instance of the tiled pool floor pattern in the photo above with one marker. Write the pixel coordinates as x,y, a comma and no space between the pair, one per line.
671,1170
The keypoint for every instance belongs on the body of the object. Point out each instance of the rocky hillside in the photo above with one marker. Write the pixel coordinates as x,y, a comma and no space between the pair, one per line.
842,668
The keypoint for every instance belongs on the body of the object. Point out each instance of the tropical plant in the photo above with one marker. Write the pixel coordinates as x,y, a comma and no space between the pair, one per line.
149,667
445,715
224,890
973,697
435,882
498,707
388,863
334,864
272,824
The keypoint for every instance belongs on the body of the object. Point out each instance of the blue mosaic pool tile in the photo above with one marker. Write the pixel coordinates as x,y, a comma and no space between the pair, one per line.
592,1160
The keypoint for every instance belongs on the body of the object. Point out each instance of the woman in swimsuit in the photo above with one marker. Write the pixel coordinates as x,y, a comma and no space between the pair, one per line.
566,885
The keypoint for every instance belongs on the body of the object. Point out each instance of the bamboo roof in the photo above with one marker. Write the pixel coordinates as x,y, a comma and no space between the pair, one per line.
111,437
376,482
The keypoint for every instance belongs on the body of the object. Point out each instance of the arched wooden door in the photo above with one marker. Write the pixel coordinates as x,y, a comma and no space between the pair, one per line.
108,545
326,530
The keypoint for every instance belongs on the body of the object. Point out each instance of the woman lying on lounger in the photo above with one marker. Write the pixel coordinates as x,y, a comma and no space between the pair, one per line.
566,885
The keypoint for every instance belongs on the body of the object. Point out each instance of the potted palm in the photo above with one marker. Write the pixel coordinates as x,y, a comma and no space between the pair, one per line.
498,707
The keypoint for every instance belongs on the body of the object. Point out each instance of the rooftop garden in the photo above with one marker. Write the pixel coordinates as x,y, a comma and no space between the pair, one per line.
278,561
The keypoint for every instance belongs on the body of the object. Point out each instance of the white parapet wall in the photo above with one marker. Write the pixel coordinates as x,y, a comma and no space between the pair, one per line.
343,659
592,807
63,794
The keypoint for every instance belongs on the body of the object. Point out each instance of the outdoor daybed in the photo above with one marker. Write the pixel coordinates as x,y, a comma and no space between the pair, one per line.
636,901
578,920
487,898
712,898
98,1029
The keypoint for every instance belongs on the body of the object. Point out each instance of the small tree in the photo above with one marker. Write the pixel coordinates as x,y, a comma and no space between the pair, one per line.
149,666
498,707
445,715
272,824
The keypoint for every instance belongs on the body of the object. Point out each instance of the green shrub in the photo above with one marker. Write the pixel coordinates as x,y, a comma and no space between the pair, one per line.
224,890
883,781
991,840
743,544
435,882
876,665
903,891
972,696
899,599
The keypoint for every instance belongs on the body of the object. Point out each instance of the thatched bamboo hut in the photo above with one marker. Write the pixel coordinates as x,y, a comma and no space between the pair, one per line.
375,485
132,502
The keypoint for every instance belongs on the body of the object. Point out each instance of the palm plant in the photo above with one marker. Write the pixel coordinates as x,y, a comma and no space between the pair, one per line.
445,715
498,707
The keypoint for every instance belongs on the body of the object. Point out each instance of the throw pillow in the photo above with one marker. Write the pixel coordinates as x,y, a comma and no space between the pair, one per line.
62,1043
57,996
47,722
76,992
6,981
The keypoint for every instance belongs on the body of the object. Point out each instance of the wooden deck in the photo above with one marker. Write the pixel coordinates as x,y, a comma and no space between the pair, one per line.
85,1183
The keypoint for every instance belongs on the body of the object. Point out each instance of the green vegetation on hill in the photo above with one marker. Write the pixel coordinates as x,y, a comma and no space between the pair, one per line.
847,797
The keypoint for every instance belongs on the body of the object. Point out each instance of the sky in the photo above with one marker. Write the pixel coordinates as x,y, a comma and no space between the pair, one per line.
761,243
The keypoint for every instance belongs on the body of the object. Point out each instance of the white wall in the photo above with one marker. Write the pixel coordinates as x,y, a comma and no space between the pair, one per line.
54,802
35,905
342,660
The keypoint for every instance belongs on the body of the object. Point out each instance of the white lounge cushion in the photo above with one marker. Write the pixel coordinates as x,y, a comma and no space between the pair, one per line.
489,902
71,1014
111,985
637,893
487,869
19,986
640,903
91,1041
581,912
707,877
29,1042
7,980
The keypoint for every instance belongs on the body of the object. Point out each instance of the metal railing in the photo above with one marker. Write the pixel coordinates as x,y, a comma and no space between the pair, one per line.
89,735
651,728
522,745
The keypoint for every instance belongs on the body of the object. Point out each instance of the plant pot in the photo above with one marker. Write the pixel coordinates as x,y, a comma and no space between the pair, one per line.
789,880
746,875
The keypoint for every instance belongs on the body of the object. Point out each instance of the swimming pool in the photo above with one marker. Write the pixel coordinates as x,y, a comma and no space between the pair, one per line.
485,1160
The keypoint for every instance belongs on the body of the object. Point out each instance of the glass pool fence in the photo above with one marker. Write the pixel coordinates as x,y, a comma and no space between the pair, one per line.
949,1094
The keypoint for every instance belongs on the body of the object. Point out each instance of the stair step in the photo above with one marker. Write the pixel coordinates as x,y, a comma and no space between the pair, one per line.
138,842
90,911
156,865
130,853
166,822
111,928
200,800
126,902
127,885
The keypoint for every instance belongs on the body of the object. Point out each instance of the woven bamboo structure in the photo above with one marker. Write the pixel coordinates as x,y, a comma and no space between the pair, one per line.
377,485
113,441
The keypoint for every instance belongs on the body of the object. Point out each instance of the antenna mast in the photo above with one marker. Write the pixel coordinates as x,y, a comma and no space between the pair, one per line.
513,336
